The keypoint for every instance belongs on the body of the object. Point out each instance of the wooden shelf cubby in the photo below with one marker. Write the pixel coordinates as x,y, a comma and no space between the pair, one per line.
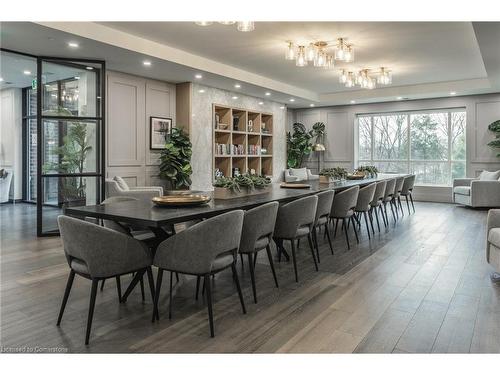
252,131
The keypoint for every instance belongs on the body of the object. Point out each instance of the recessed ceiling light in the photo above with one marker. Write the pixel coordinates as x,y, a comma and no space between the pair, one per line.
261,103
89,68
282,107
268,93
237,86
27,72
1,79
453,93
146,63
292,99
201,91
235,97
353,102
77,77
198,76
311,105
399,98
73,44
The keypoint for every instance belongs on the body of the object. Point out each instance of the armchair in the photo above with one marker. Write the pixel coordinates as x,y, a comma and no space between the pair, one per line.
301,174
493,243
475,192
117,187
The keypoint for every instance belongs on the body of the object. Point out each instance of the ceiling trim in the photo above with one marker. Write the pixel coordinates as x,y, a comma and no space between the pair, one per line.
144,46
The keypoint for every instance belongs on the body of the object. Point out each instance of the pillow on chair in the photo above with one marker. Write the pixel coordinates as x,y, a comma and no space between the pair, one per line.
300,173
489,176
121,183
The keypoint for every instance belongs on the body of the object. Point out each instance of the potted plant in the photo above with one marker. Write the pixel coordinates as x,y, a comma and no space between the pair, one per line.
328,175
370,171
299,143
175,160
241,185
495,127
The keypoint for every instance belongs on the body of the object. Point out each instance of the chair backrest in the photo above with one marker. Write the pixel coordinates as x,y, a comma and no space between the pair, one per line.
379,193
344,201
408,184
365,197
399,185
258,223
389,188
325,201
122,228
194,249
294,215
112,188
104,251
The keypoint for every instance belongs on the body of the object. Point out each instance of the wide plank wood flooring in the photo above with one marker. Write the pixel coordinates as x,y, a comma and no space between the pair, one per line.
421,286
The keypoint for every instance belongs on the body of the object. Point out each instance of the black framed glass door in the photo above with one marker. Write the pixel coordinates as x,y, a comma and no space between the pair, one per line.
70,137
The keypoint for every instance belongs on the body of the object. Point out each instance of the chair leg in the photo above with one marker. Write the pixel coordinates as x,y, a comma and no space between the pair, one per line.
255,259
336,225
411,199
209,304
315,243
370,216
393,214
119,288
400,206
252,276
374,209
177,276
407,204
170,296
355,230
238,287
329,239
294,261
141,282
198,286
93,293
367,226
242,261
138,275
69,284
103,280
346,235
151,283
309,238
156,313
271,263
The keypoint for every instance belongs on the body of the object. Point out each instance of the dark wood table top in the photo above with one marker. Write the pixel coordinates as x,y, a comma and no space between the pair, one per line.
147,214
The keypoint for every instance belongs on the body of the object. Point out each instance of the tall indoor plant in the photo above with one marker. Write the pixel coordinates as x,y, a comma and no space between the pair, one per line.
299,144
495,127
175,160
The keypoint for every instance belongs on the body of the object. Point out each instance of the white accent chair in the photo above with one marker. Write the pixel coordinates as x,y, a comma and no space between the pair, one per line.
5,186
299,174
117,187
493,243
483,191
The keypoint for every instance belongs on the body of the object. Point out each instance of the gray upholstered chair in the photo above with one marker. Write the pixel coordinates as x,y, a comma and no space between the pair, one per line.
204,249
296,220
396,197
388,194
407,191
118,187
325,201
483,191
257,234
493,243
363,205
376,203
97,253
343,207
299,174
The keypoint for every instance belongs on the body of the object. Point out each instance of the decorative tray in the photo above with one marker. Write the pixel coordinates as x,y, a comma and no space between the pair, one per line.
176,200
295,186
355,176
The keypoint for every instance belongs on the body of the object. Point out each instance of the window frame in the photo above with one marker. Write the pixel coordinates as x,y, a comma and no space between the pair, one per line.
409,161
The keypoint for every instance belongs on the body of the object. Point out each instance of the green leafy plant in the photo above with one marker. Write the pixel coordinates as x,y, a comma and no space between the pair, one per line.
336,173
242,182
495,127
299,144
370,170
175,160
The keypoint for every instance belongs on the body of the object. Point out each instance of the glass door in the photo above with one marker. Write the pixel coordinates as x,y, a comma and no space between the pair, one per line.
70,137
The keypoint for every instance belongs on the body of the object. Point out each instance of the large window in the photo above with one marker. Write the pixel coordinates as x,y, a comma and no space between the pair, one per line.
430,144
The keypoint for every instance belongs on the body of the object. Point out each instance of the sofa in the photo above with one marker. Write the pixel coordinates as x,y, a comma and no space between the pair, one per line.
483,191
493,243
299,174
117,187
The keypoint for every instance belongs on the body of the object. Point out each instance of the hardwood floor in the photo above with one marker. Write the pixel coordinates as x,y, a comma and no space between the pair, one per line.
422,286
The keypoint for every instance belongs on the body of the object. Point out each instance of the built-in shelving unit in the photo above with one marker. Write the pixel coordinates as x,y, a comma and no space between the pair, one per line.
243,139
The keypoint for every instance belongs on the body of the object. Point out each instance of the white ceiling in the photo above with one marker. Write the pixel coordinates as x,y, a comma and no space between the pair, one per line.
428,59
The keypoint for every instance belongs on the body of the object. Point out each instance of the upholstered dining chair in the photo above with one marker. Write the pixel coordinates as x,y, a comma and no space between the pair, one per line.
257,235
407,190
343,207
376,203
325,201
396,197
97,253
388,194
363,205
296,220
204,249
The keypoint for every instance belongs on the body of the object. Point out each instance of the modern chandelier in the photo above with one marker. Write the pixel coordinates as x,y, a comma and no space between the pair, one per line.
320,54
366,78
244,26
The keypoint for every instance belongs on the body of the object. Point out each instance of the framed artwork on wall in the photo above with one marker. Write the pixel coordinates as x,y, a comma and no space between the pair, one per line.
159,130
